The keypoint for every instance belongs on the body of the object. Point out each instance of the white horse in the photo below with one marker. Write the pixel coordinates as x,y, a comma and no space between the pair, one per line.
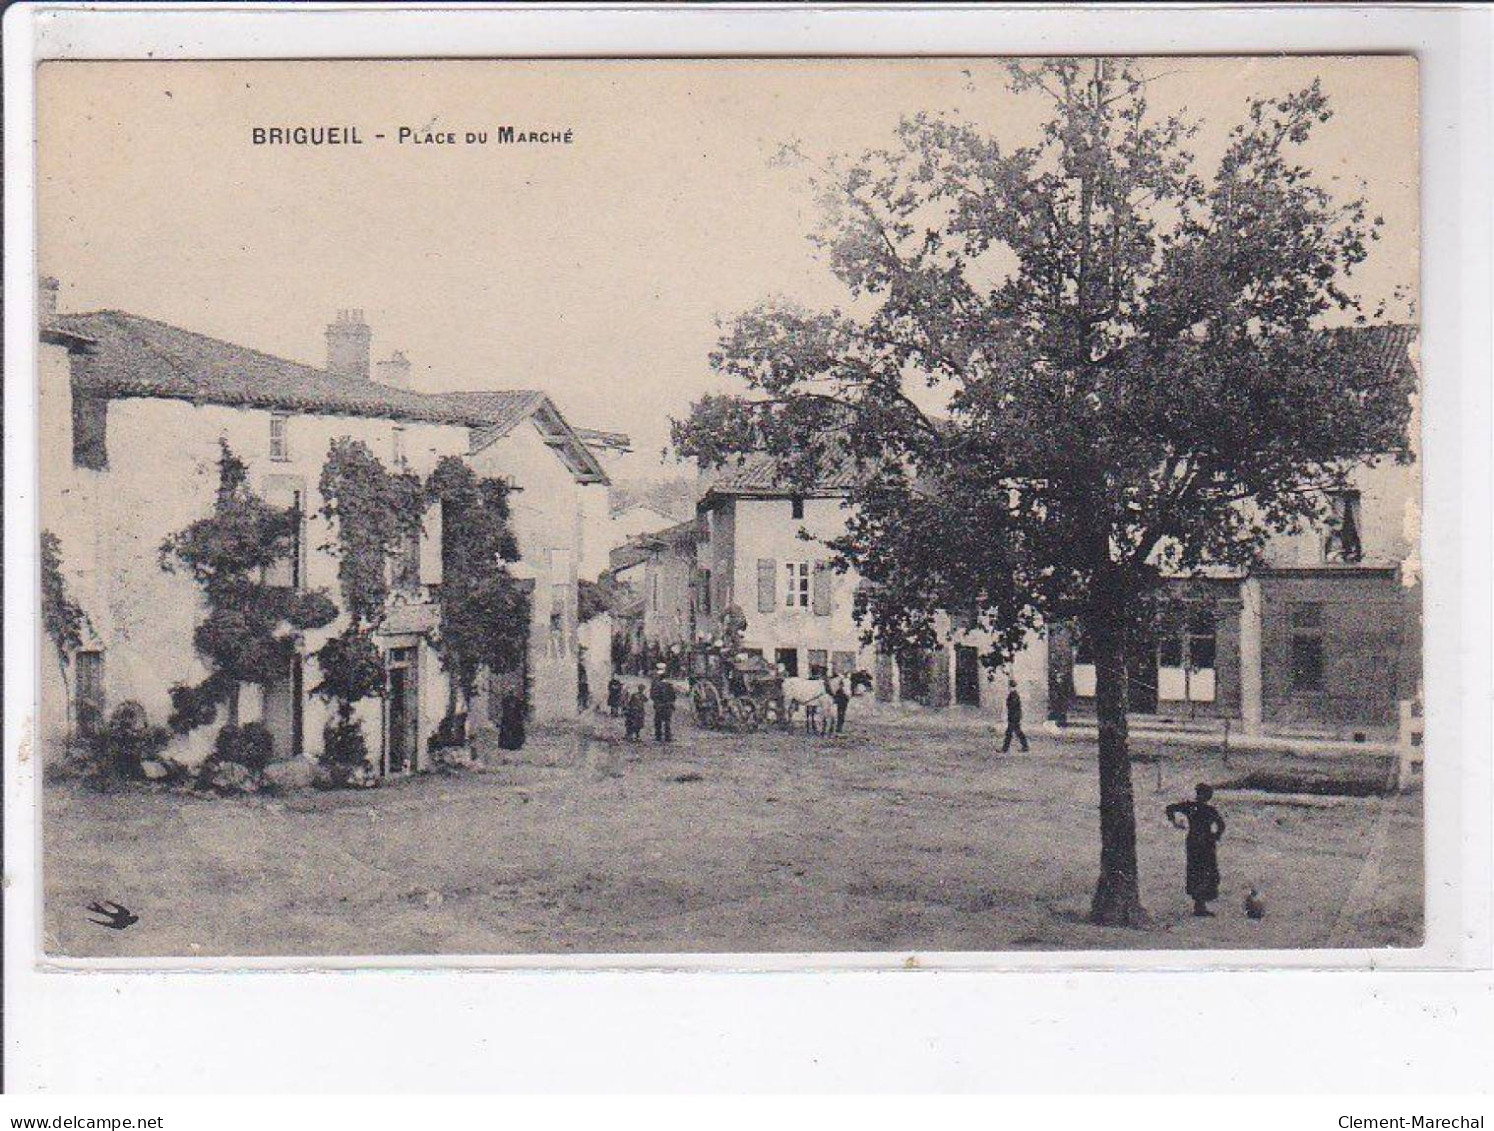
812,695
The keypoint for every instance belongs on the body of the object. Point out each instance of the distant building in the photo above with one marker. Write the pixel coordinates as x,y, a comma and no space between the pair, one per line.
629,523
1323,636
132,411
659,571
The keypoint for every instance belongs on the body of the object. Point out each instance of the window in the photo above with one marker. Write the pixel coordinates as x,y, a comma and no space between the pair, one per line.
796,593
279,443
788,659
705,592
842,663
90,433
797,505
1170,647
399,446
1307,647
1202,646
819,663
1342,542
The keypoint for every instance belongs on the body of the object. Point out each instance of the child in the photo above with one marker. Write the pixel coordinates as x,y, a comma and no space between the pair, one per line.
1205,828
633,714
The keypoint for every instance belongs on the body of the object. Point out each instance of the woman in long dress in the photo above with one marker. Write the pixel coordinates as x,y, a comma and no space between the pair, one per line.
1205,828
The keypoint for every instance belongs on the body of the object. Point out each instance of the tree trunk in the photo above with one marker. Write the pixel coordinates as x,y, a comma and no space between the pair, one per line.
1117,899
233,705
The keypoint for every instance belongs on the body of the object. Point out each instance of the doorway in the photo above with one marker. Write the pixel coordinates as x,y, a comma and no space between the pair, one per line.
402,699
967,676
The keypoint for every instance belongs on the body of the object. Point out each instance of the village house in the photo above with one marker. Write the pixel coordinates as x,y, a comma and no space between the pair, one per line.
762,548
1321,637
132,411
666,600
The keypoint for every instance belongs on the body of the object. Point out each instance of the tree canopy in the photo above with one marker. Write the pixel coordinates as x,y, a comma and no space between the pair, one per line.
1068,368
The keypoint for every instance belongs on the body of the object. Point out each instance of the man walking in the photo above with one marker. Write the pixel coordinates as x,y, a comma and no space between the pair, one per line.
661,691
1014,719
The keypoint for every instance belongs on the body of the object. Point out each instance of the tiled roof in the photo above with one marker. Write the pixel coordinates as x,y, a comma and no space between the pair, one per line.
1385,348
758,475
497,411
131,356
662,539
626,557
598,438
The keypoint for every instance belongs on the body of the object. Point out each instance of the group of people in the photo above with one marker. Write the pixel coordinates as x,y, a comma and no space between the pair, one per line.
633,706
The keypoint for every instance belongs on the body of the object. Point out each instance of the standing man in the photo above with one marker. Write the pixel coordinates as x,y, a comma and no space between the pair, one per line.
661,691
840,692
1013,718
614,695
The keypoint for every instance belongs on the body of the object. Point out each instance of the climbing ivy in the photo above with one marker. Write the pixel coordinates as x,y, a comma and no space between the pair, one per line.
373,511
249,634
485,610
62,617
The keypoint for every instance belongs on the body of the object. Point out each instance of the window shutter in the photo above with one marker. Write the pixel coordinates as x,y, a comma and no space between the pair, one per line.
767,584
822,593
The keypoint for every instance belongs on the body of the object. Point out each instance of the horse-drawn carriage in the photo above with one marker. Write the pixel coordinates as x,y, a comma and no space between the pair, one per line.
740,692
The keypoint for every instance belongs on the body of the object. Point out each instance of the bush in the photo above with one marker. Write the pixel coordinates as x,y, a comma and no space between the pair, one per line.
450,734
119,748
193,706
343,744
251,746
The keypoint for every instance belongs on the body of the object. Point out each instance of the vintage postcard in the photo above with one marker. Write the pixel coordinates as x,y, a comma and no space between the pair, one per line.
729,506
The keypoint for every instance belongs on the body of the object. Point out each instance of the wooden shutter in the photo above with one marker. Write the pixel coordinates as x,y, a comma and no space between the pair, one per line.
823,577
767,585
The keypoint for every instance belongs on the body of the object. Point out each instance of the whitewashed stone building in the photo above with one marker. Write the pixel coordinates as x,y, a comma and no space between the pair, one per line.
131,414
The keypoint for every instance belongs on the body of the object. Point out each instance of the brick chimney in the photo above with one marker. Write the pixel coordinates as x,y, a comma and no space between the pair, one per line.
394,370
46,299
348,344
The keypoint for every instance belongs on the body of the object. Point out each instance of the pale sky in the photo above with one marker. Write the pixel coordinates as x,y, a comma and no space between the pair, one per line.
594,271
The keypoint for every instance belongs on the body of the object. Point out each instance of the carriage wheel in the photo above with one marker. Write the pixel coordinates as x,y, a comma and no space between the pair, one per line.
707,703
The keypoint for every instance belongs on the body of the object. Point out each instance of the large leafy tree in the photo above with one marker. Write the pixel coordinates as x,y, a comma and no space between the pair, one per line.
250,633
1069,368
